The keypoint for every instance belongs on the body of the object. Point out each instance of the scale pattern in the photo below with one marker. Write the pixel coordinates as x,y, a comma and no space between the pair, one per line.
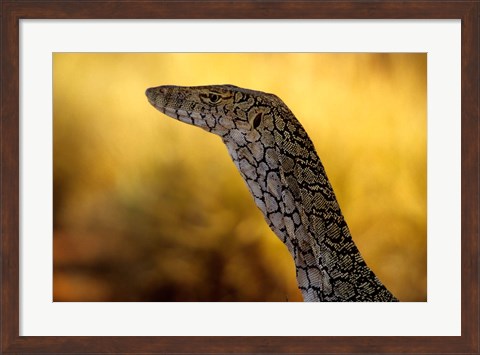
287,180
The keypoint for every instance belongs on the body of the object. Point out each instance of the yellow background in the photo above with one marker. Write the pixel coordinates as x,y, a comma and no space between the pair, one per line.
147,208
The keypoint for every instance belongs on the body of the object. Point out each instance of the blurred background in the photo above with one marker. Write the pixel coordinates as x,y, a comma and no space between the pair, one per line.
147,208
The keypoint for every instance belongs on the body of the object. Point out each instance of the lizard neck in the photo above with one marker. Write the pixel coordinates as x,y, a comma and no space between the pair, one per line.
289,185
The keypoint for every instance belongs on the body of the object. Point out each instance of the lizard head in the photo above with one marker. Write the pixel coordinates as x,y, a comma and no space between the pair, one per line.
226,110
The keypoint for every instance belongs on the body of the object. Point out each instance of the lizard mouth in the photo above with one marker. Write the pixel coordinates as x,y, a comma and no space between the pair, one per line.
184,116
178,114
178,107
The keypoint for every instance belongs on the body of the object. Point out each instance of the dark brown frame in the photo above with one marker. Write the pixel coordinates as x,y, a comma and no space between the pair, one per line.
13,11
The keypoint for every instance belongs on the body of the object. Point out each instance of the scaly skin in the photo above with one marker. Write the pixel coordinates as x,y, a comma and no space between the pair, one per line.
287,180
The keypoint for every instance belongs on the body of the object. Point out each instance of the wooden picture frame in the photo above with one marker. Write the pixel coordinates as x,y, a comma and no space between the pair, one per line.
13,11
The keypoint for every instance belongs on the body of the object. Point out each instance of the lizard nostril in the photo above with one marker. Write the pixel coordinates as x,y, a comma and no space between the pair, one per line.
150,93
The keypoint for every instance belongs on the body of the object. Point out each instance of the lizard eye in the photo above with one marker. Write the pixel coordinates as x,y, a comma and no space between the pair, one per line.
214,98
211,98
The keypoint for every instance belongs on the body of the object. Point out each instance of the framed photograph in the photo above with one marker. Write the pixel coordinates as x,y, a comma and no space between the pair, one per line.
128,231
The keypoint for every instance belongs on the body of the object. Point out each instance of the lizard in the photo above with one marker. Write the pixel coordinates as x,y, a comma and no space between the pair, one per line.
287,181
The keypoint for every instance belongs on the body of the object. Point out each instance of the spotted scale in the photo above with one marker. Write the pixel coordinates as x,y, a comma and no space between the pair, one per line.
287,180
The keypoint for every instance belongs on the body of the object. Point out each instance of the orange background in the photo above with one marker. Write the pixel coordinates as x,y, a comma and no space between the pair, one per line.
147,208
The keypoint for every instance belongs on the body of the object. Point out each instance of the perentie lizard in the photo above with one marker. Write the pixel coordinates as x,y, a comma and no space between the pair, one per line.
288,182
